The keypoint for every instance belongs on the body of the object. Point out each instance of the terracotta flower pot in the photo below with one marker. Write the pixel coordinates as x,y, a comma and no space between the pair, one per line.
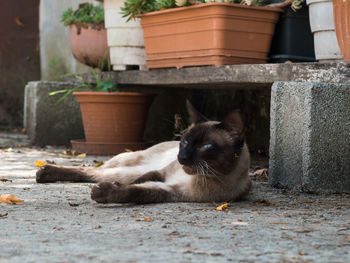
115,118
88,43
341,11
208,34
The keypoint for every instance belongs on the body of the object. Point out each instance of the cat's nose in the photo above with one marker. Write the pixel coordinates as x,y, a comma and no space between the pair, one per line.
183,158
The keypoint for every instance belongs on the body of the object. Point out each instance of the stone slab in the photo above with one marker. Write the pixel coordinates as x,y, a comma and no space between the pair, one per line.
310,137
257,76
48,122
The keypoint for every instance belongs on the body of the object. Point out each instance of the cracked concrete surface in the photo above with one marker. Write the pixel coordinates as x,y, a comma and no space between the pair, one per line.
60,223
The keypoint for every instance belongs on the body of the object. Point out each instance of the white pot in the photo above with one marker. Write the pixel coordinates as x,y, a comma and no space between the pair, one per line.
125,39
322,26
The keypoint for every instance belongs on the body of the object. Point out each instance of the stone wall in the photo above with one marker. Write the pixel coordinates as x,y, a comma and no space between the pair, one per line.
55,54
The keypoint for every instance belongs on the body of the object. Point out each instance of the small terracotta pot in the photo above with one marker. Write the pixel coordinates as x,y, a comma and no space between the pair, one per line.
114,117
341,12
208,34
88,43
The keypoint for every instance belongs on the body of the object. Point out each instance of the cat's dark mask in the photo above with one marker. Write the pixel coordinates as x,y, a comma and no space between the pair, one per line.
211,147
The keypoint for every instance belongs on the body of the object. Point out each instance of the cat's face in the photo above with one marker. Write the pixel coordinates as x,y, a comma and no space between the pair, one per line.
210,148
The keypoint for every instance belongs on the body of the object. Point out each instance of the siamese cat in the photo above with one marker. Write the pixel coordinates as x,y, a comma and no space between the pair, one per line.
210,163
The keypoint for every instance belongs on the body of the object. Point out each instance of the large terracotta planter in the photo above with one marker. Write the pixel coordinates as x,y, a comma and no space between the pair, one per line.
341,10
88,43
208,34
116,119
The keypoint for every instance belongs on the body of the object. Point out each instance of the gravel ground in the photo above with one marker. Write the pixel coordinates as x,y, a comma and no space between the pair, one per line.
60,223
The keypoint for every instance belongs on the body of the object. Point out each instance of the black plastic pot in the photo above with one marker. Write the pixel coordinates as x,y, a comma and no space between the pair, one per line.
293,40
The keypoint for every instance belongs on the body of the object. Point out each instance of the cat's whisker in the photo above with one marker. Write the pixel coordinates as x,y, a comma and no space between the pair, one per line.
213,172
202,174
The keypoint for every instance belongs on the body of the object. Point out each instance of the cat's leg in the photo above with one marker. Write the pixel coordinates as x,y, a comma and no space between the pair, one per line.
125,159
123,175
148,192
53,173
153,176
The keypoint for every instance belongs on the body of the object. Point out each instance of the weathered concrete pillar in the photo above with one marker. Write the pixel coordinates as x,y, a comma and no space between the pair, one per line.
310,137
48,122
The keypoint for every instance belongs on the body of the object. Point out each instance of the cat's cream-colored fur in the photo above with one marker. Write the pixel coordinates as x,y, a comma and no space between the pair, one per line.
210,163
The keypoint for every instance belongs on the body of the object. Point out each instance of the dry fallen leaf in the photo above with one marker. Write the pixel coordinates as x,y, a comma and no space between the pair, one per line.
9,150
72,153
128,150
10,199
222,207
263,202
260,175
3,215
147,219
98,164
5,180
82,155
39,163
19,22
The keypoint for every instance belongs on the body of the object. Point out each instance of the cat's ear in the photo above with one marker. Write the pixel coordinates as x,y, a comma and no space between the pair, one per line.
195,116
233,123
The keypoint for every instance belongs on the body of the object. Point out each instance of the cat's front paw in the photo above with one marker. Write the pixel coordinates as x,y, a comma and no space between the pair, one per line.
105,192
46,174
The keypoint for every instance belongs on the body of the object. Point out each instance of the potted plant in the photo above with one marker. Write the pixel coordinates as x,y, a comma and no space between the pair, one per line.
180,33
341,9
293,39
87,34
113,121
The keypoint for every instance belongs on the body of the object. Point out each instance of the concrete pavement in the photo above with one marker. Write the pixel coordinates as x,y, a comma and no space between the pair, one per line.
60,223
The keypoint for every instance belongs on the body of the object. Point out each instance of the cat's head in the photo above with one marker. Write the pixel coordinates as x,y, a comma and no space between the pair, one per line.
211,147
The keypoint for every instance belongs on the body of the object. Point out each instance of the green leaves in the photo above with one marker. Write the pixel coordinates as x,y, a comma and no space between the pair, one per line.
86,13
106,85
134,8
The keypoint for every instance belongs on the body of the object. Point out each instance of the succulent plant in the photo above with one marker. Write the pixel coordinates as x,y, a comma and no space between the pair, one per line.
134,8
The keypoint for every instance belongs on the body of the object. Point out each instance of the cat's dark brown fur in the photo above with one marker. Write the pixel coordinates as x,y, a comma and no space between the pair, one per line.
210,163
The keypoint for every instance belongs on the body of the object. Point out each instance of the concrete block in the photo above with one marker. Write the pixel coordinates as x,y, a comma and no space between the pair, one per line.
310,137
48,122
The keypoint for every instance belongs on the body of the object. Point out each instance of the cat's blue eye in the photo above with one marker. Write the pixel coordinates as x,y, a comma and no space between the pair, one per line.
185,142
206,146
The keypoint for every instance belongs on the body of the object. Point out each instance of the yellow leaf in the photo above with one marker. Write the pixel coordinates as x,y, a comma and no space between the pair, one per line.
82,155
19,22
10,199
39,163
98,164
222,207
73,152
